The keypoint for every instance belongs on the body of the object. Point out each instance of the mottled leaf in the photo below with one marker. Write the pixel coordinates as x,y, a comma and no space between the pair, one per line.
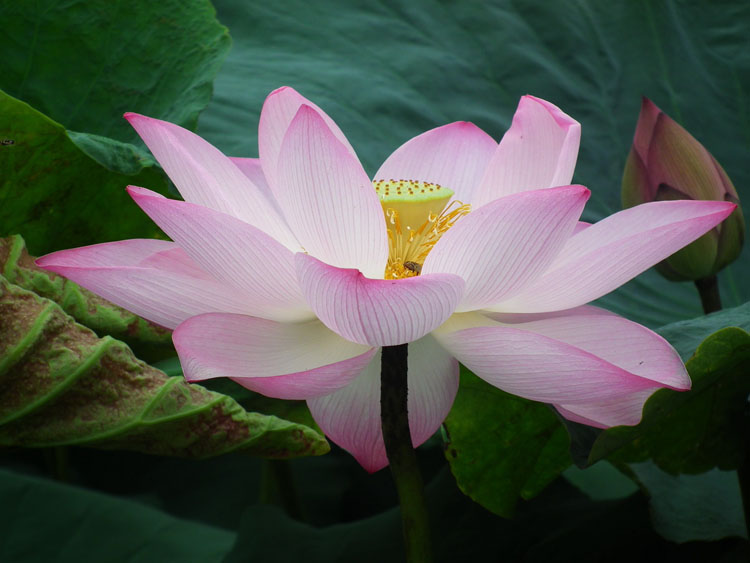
501,447
296,411
63,385
147,339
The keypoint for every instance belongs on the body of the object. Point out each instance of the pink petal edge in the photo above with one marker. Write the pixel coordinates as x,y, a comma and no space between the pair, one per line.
351,417
454,156
538,151
154,279
503,246
233,251
283,360
328,198
605,255
377,312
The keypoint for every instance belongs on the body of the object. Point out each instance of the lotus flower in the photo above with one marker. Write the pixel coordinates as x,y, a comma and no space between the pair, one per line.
288,273
666,162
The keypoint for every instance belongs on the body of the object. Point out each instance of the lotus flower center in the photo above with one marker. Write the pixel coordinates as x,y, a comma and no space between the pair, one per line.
416,216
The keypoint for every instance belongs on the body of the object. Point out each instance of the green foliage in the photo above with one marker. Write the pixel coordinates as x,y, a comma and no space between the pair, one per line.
501,447
55,194
296,411
63,385
386,72
693,507
80,525
694,431
687,335
601,481
86,62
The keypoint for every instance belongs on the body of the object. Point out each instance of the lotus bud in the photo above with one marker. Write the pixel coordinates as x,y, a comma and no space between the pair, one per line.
665,163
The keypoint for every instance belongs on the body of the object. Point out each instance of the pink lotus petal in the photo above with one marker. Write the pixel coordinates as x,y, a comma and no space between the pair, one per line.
580,226
377,312
644,130
535,366
609,253
509,242
538,151
234,252
328,199
277,114
615,339
622,411
204,176
154,279
283,360
253,170
454,156
351,417
433,384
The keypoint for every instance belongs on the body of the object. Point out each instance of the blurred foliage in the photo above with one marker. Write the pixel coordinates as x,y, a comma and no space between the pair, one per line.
86,62
56,195
693,507
687,335
95,527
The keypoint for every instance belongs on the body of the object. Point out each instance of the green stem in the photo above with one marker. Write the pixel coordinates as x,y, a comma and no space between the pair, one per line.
277,487
743,474
708,288
401,456
56,459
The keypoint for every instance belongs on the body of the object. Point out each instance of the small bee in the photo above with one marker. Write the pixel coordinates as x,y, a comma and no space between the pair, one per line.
415,267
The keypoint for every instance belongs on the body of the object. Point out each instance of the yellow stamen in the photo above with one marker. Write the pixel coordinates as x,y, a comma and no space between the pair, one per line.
416,217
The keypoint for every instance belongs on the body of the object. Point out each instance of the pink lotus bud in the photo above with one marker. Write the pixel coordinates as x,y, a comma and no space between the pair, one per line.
667,163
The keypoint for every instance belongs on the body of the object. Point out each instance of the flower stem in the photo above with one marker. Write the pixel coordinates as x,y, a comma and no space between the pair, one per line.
708,288
743,474
277,487
401,456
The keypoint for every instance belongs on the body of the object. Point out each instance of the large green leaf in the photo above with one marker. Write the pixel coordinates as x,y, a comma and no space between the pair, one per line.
63,385
48,521
693,507
56,195
501,447
694,431
387,71
601,481
147,339
86,62
687,335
